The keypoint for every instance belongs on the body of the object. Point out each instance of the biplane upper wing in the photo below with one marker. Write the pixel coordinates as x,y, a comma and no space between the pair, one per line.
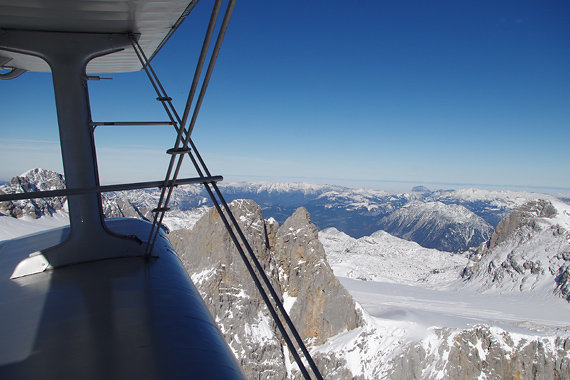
153,21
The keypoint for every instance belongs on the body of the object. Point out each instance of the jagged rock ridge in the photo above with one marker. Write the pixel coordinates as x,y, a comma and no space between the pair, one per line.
322,307
43,180
294,260
353,345
33,180
482,352
529,251
437,225
524,216
356,212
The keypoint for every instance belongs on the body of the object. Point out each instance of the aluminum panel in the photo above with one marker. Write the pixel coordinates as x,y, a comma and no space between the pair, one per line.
154,20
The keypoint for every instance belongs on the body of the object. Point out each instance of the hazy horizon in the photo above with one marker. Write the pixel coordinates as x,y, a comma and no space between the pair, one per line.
446,92
391,186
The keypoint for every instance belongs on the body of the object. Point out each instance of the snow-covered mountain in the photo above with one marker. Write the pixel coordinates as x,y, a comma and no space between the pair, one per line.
415,320
383,257
528,252
294,260
361,212
414,317
444,219
431,218
43,180
33,180
491,205
437,225
24,217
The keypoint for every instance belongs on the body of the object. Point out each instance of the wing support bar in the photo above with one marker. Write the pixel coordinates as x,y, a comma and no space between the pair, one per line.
107,188
67,55
184,126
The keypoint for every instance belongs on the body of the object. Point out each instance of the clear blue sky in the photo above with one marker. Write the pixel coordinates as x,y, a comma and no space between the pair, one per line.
472,92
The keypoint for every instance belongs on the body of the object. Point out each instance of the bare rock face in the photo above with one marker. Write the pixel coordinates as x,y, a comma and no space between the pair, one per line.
483,352
529,250
44,180
321,307
525,215
214,264
121,208
293,259
30,181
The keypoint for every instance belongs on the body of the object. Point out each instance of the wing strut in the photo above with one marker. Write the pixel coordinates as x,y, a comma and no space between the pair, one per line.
185,146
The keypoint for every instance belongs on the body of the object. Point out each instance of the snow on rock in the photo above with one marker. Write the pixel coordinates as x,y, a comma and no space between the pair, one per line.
183,220
294,261
323,306
121,208
497,198
355,199
115,205
401,341
482,352
383,257
529,252
437,225
492,206
367,350
30,181
220,276
279,187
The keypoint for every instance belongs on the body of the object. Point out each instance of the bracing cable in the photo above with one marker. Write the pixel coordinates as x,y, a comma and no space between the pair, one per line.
276,307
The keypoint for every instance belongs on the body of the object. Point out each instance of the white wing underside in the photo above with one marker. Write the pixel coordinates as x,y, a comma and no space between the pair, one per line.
153,20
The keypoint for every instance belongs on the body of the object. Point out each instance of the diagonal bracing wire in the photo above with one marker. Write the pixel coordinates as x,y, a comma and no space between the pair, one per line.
260,270
187,147
167,103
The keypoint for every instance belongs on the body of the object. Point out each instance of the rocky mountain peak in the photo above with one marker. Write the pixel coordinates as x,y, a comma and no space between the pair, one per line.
320,305
525,215
214,264
421,190
38,179
43,180
446,227
293,259
529,251
33,180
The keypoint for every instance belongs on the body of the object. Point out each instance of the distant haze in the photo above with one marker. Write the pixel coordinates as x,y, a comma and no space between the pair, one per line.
383,94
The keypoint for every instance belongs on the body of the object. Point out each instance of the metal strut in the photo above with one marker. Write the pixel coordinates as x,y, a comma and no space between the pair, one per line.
105,188
274,305
166,101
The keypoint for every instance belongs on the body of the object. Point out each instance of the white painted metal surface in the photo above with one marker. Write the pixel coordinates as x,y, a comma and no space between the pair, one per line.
123,318
105,310
154,20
